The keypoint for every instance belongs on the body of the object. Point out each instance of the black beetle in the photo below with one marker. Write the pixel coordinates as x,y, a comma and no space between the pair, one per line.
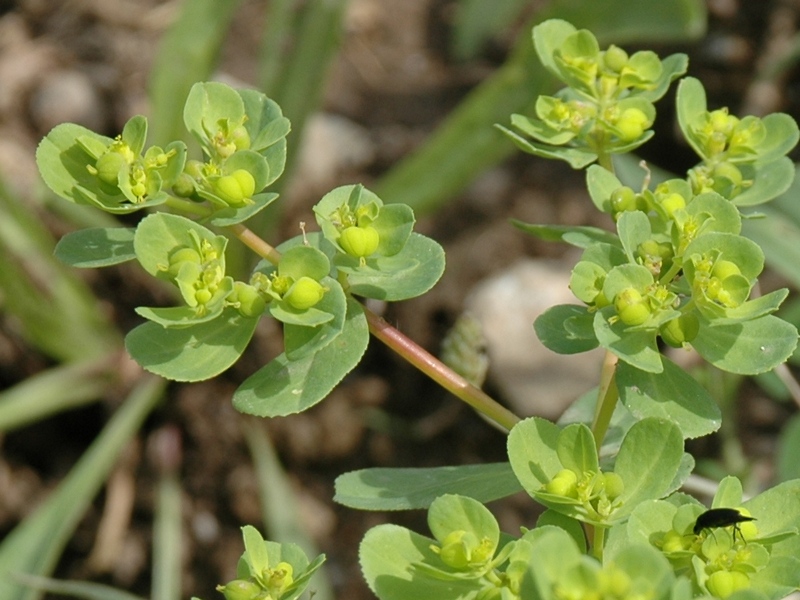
721,517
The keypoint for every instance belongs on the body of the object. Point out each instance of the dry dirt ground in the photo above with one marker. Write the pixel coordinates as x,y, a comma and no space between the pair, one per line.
87,61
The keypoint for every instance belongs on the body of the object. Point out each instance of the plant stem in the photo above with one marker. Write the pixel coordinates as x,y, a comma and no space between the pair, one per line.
598,542
406,348
255,243
187,206
607,396
439,372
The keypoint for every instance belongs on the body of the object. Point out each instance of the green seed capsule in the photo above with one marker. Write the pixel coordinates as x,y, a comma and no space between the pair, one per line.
631,307
108,167
563,484
240,589
615,58
631,124
725,268
240,138
304,293
251,303
622,199
681,330
613,485
359,242
673,203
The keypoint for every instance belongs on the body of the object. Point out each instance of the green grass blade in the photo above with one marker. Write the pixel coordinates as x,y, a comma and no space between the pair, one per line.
56,390
167,540
86,590
278,503
35,545
57,312
188,54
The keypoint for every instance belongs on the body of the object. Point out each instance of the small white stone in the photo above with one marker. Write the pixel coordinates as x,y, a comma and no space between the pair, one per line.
532,379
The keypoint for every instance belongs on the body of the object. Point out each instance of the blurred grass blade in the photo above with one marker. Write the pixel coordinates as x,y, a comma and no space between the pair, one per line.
76,589
466,143
188,54
277,37
295,79
57,313
298,85
55,390
278,503
477,21
167,530
35,545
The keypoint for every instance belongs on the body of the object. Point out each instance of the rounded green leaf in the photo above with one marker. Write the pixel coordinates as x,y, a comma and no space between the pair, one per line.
96,247
672,395
285,386
566,329
390,557
532,452
648,460
452,512
635,346
394,225
691,103
746,348
601,184
192,353
404,489
206,106
408,274
576,449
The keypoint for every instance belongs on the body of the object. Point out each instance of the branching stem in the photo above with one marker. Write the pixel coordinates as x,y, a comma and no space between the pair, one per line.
405,347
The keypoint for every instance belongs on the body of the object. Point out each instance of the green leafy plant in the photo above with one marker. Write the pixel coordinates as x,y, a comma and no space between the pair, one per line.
676,272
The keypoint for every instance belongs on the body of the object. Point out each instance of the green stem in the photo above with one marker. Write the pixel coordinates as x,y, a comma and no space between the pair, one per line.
187,206
406,348
598,542
439,372
607,396
604,160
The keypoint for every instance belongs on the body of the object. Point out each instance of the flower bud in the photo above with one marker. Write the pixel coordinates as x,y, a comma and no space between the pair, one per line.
680,330
184,187
622,199
632,307
359,242
615,58
455,551
673,203
613,485
240,138
108,167
729,171
236,188
563,484
251,303
181,256
240,589
304,293
724,583
724,269
673,542
631,124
